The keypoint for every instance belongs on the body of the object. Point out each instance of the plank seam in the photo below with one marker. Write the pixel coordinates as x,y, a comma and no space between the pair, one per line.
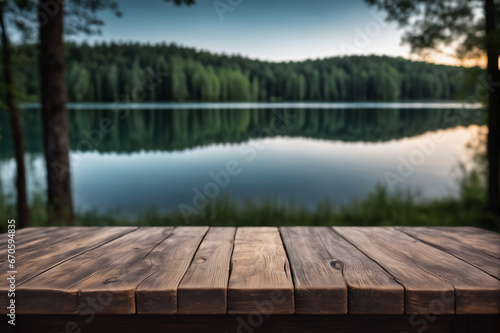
488,254
432,273
154,247
333,263
341,264
289,263
48,243
447,252
383,268
147,277
475,248
104,267
79,254
187,268
230,270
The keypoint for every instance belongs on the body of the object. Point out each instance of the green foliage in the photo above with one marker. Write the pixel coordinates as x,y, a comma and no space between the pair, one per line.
105,72
432,24
80,15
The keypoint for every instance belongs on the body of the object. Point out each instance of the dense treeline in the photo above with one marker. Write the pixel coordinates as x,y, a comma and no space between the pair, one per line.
138,72
168,130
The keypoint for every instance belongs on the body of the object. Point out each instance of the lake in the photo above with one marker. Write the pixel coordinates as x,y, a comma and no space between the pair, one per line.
130,158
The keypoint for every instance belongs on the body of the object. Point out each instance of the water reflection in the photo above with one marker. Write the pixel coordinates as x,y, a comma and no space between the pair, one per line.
127,131
157,158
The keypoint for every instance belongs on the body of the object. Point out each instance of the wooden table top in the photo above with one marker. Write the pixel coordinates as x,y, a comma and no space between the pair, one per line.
287,270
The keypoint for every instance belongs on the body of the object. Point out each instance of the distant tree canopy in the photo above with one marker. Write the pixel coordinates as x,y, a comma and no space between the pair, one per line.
110,72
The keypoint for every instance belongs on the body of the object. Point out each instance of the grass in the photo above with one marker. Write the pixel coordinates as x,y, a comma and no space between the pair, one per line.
379,208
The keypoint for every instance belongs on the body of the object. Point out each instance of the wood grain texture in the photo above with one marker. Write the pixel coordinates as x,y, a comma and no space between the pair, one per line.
318,278
480,239
107,275
260,280
29,240
157,294
450,244
429,275
27,234
421,286
33,258
24,238
371,289
202,271
41,253
203,289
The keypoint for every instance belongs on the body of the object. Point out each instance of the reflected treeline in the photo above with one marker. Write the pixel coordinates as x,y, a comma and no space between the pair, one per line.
167,130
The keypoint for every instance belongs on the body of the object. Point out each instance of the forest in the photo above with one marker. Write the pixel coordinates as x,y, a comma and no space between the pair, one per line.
133,72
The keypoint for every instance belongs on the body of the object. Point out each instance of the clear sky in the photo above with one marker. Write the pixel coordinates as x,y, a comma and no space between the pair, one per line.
276,30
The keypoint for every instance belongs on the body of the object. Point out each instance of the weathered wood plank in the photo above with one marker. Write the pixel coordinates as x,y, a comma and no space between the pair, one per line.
40,254
445,242
107,275
157,294
28,240
421,287
318,278
65,270
33,261
371,289
483,240
30,232
27,234
31,245
429,275
24,237
203,289
260,280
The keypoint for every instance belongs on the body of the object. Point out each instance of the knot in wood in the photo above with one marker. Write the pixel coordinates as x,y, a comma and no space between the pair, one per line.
337,264
111,280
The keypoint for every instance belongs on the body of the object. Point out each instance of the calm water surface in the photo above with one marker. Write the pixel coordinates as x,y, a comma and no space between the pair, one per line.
160,155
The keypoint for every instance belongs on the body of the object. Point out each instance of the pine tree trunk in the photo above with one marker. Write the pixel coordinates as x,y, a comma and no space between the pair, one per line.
23,213
55,113
493,109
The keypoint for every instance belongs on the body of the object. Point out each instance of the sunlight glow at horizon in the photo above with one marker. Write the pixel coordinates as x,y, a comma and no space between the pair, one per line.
450,60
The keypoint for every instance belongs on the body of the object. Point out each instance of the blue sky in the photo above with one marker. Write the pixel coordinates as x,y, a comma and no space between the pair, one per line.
273,30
